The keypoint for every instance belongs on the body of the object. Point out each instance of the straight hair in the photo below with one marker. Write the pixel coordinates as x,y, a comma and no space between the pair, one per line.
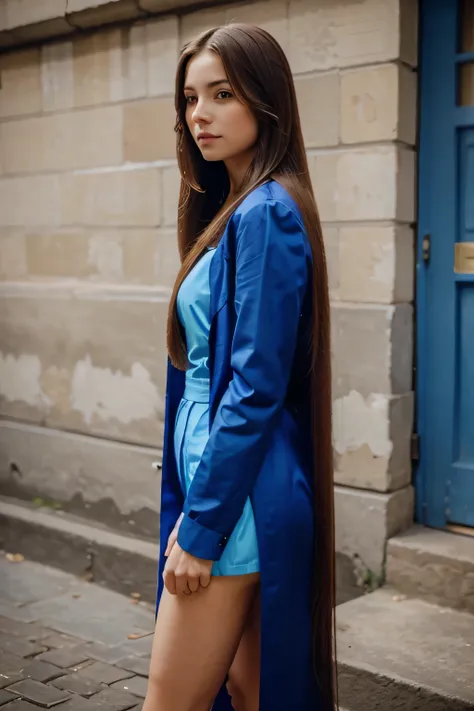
261,78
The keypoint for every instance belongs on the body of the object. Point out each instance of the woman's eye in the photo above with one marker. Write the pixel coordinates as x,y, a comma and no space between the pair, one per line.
190,99
224,94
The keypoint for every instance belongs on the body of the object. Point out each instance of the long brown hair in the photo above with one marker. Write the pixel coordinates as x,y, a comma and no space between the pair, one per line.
261,77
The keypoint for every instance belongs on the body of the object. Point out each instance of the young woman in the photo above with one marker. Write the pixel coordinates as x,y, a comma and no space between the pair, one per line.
247,542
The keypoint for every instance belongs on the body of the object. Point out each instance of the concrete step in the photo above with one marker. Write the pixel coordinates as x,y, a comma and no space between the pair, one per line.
436,566
397,653
121,562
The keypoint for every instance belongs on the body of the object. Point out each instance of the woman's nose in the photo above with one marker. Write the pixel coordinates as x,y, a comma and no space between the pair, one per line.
201,113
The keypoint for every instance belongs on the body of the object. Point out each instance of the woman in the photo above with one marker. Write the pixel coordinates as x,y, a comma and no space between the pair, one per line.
246,537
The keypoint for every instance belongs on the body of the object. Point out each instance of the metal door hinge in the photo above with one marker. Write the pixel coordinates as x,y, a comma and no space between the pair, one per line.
426,248
415,447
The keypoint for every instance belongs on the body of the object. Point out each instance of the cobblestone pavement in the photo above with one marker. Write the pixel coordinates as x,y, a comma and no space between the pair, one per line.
68,643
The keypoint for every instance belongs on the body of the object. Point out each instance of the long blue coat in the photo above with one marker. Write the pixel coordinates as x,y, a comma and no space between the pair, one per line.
259,443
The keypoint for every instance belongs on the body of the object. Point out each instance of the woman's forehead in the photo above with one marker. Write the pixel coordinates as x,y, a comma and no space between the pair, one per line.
206,67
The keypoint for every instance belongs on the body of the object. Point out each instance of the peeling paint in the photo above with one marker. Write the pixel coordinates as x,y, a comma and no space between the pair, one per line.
20,380
360,421
107,394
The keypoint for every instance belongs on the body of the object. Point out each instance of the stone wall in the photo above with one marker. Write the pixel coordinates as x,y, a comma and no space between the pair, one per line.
88,192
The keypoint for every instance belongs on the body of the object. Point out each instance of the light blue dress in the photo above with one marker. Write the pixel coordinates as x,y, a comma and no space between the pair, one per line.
192,420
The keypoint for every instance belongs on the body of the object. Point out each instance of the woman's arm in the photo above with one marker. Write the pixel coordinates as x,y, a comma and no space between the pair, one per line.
271,282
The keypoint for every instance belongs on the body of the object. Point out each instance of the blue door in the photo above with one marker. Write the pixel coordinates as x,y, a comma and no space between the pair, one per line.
445,266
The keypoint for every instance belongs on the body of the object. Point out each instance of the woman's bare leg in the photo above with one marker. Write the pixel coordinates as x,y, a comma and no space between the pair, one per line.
196,639
244,675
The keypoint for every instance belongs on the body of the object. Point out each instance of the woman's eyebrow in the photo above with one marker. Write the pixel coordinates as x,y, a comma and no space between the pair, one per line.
210,85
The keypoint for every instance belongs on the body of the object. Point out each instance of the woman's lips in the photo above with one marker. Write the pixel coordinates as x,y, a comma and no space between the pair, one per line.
207,138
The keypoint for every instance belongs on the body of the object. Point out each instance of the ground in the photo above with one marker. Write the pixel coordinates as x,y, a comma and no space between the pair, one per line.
69,643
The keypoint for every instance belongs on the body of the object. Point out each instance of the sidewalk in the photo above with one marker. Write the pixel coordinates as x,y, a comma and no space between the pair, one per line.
68,643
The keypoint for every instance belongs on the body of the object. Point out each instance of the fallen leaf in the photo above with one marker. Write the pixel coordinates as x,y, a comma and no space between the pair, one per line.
399,598
133,635
137,596
15,557
76,595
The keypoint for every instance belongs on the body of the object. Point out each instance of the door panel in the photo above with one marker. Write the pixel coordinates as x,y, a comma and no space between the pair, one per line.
445,284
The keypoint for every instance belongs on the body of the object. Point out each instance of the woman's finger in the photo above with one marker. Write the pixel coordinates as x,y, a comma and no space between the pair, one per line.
182,585
169,579
193,583
205,578
173,537
171,541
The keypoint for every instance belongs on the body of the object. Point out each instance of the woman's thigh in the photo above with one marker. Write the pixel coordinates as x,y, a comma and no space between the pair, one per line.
196,639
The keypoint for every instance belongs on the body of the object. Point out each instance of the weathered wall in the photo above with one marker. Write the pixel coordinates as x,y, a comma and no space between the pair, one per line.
88,192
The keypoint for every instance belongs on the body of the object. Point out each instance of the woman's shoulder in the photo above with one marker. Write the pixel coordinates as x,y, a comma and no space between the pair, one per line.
272,194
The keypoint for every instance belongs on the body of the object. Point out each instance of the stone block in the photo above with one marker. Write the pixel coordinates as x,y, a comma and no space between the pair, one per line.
149,130
365,184
138,665
364,522
193,23
373,349
99,67
170,193
163,266
271,15
162,55
409,32
88,475
331,246
104,673
136,686
407,105
115,699
168,5
57,76
406,185
126,62
372,441
63,141
436,566
12,254
91,13
77,685
138,256
318,103
376,263
10,644
378,103
25,12
323,171
90,359
41,671
38,693
20,91
128,197
323,35
29,201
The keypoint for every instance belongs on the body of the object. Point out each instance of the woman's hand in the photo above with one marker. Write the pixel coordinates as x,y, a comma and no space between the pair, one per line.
184,573
173,536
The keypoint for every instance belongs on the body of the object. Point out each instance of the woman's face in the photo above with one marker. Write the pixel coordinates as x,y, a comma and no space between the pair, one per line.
222,126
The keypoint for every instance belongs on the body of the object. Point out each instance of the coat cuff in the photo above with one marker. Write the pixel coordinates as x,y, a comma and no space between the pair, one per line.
200,541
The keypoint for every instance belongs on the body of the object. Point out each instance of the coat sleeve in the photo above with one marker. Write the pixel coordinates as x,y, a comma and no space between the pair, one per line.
271,282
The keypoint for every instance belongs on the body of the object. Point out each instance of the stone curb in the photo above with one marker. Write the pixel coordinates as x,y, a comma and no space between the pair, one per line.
96,553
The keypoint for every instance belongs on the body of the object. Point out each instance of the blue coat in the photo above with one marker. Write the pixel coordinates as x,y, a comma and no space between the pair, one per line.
259,443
